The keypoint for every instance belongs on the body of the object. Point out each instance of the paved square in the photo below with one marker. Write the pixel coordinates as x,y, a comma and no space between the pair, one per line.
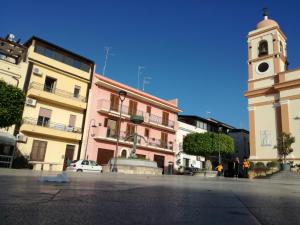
124,199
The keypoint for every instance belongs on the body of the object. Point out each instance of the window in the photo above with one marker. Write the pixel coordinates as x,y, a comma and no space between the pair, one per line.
149,109
124,153
85,162
146,132
61,57
76,91
132,108
164,140
111,128
130,131
165,118
281,47
44,117
263,48
38,150
114,102
72,120
50,84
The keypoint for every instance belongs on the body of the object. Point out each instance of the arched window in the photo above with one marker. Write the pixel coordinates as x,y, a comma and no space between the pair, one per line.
263,48
124,153
281,47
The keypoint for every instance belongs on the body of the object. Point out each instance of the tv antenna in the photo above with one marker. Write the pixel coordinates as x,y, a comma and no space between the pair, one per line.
146,80
140,68
207,114
107,54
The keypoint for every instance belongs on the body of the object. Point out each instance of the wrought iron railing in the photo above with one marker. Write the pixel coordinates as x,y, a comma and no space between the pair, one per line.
125,110
59,92
51,125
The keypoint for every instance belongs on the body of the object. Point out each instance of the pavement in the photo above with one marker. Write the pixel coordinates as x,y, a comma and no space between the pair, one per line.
137,199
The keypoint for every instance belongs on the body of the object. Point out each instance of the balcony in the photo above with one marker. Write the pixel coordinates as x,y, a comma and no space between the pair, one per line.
56,96
105,106
151,143
56,130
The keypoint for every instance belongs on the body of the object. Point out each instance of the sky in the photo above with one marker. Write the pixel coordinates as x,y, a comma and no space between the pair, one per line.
193,50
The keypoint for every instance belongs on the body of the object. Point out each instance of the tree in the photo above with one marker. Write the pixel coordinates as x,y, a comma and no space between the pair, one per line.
284,145
208,144
12,100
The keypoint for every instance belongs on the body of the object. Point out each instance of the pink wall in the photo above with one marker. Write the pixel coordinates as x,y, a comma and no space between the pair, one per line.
100,98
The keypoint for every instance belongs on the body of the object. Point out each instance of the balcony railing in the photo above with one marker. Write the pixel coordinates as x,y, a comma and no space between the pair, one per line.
125,110
51,125
151,141
59,92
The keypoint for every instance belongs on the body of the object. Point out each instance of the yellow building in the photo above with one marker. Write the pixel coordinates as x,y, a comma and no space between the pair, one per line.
13,66
57,85
273,92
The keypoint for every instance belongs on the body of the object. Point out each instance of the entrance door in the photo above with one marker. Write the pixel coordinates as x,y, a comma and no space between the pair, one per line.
104,155
160,161
186,162
69,153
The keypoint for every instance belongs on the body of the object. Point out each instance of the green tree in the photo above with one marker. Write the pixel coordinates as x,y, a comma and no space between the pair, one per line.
208,144
12,100
284,145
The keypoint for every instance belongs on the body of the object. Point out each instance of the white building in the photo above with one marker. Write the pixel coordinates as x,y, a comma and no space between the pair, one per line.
183,159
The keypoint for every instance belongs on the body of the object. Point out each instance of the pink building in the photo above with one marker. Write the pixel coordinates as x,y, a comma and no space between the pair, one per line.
159,126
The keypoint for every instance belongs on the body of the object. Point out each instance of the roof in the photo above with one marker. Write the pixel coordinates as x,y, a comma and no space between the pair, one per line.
221,123
239,131
193,117
209,120
29,41
7,139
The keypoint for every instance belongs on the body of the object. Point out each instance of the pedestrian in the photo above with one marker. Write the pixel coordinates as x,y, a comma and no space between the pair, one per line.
219,168
236,167
246,167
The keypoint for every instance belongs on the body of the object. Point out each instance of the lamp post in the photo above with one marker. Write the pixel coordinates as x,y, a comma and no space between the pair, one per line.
88,136
219,132
122,96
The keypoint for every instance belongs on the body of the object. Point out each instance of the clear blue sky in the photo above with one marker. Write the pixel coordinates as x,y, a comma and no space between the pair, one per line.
194,50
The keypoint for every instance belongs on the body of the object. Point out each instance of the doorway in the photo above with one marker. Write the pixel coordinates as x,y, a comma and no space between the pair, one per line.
104,155
69,153
160,161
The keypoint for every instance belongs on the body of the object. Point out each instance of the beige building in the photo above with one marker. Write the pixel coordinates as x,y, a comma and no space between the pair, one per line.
56,85
273,92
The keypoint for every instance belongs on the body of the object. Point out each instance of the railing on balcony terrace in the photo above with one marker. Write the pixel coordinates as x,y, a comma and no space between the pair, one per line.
51,125
125,108
59,92
159,120
160,144
124,136
105,104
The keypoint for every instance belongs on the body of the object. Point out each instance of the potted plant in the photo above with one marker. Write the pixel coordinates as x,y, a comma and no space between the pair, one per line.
284,147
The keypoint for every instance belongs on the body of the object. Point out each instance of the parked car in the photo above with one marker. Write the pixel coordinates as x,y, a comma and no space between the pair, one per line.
84,166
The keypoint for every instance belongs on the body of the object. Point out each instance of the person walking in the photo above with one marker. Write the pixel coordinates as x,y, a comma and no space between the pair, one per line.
246,167
219,168
236,167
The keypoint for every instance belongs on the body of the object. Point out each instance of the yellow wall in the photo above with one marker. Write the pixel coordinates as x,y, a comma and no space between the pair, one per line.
67,77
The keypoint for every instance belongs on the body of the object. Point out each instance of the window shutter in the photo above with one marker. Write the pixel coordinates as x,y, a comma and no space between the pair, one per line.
45,112
72,120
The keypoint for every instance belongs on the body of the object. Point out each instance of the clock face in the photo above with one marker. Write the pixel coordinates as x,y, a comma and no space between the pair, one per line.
263,67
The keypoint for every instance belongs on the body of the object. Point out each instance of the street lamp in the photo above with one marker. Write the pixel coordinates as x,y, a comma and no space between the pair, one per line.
88,136
219,132
122,96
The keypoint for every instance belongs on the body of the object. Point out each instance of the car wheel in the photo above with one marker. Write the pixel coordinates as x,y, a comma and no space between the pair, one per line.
79,170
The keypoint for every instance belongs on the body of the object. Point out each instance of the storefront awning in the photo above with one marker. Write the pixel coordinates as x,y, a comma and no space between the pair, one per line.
7,139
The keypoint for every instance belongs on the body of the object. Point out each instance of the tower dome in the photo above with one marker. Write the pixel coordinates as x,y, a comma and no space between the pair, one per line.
266,22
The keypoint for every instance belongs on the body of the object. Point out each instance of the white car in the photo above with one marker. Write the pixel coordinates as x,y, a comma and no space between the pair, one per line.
84,166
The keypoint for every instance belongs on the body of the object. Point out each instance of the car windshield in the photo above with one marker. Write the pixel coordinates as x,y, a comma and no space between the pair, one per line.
93,163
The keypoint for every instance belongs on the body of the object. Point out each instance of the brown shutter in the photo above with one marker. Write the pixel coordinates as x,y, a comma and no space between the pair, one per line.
147,132
149,109
72,120
165,119
38,150
45,112
105,122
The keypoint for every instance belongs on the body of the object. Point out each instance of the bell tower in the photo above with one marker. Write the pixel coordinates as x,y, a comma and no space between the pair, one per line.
266,53
267,63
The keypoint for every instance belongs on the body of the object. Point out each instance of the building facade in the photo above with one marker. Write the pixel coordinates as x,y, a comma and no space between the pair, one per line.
184,160
57,85
158,131
273,92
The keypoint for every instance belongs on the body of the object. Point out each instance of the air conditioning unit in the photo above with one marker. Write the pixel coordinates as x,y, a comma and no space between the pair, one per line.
30,101
37,71
21,138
